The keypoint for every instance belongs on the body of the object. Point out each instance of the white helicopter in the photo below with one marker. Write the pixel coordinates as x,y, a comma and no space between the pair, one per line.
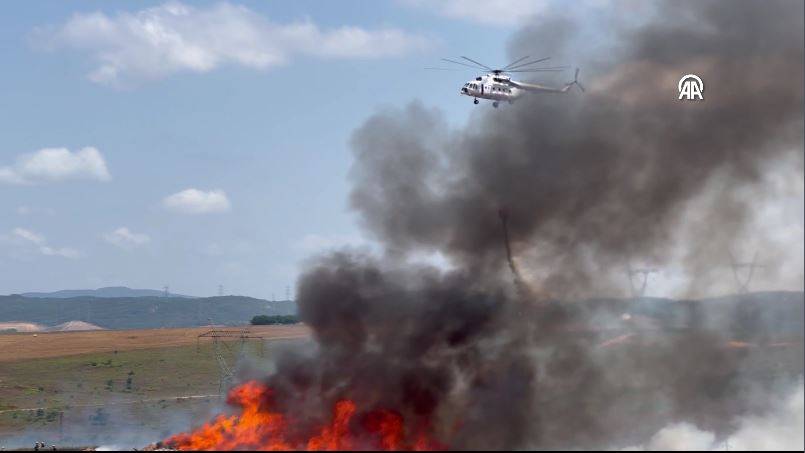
498,86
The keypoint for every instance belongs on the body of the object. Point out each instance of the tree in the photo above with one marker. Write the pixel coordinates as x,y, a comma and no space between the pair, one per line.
262,320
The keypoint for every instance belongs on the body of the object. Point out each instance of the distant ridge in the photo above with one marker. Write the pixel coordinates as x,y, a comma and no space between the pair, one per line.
147,312
109,291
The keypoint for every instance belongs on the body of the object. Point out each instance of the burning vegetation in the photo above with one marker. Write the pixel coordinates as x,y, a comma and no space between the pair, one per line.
258,427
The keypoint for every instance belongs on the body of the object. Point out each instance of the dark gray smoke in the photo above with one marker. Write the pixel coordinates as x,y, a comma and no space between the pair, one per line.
589,182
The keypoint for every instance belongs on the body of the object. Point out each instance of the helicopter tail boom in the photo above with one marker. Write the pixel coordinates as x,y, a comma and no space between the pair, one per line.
544,89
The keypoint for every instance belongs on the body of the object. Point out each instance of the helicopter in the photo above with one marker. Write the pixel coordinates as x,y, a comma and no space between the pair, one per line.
498,86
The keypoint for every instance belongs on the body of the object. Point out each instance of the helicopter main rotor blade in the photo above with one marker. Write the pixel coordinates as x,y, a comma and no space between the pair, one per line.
555,69
523,65
537,70
513,63
479,64
462,64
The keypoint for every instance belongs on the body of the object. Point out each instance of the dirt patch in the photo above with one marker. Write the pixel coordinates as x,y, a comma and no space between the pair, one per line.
57,344
21,326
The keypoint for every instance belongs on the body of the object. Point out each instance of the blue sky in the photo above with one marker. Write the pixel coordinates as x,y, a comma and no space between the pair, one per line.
205,143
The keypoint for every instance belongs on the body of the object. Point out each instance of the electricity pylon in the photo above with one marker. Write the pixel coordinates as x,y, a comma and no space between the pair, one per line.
644,272
737,266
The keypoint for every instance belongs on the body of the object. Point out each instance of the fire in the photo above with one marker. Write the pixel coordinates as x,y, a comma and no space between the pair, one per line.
258,427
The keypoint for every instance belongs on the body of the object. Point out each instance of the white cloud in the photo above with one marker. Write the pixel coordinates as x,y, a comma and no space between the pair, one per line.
29,236
65,252
125,238
56,164
160,41
194,201
39,241
486,12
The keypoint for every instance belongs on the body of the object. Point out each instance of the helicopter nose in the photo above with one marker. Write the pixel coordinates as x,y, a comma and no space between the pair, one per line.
464,90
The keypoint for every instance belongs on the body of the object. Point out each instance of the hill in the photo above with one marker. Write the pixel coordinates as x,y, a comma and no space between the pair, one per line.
74,326
109,291
140,312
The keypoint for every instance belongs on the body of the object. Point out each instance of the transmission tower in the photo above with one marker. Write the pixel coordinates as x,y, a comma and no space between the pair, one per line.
641,272
287,292
228,343
220,290
165,291
737,267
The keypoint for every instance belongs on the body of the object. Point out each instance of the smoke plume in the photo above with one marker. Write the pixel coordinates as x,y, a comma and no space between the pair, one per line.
777,429
589,181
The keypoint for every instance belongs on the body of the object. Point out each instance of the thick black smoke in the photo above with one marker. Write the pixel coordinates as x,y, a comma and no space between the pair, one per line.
589,181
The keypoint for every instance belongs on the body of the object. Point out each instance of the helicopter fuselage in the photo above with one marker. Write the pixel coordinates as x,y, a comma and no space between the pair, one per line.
491,86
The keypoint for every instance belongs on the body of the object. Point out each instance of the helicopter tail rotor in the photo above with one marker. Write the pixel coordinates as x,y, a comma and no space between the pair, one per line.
575,82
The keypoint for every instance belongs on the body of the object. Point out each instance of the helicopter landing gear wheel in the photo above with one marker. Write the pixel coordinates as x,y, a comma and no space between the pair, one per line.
475,102
495,104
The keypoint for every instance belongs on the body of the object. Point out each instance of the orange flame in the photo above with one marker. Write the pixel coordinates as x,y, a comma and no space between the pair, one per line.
257,427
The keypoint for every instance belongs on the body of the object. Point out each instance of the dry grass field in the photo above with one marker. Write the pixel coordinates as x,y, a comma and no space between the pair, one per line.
80,386
23,346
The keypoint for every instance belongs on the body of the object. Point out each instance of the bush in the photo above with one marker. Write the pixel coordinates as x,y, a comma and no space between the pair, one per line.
262,320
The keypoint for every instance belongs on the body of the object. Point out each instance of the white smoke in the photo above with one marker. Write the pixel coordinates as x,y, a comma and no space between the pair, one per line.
782,428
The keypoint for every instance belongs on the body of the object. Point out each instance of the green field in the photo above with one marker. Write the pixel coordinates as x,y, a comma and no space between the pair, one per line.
91,396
